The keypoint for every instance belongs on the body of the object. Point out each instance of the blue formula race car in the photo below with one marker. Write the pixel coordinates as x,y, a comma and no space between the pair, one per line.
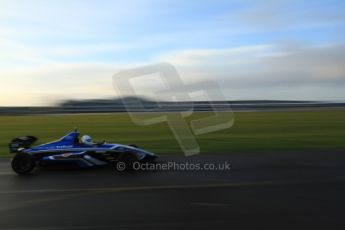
82,152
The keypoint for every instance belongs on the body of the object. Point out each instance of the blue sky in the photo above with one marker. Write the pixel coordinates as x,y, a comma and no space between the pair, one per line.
56,50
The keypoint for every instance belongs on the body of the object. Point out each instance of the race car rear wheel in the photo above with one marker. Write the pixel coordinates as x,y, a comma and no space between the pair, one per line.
23,163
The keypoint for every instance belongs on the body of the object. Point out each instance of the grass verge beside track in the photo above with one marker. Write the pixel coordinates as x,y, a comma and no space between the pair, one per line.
252,131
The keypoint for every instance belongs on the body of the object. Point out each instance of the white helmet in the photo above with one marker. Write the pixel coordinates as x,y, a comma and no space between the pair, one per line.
86,140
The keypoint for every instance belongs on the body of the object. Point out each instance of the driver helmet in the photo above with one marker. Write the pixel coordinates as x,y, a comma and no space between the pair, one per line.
86,140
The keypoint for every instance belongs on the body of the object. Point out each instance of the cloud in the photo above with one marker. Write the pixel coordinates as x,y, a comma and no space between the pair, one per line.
265,71
274,71
213,56
291,14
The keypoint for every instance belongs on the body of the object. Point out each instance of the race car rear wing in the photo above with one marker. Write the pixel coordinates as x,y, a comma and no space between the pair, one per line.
21,143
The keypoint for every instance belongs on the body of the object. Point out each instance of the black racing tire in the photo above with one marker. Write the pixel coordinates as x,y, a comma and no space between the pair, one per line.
23,163
126,162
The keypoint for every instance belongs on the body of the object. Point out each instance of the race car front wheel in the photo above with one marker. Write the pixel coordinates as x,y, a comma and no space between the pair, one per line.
23,163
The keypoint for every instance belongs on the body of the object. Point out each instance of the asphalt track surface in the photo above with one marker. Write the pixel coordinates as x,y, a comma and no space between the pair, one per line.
285,190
